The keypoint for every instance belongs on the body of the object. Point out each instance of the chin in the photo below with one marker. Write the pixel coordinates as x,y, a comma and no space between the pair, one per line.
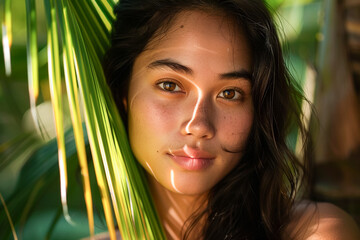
188,184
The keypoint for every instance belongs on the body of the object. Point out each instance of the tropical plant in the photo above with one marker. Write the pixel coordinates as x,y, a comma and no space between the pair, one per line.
77,36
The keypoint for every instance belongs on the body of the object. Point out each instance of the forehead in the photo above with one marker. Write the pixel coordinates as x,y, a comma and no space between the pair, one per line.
199,36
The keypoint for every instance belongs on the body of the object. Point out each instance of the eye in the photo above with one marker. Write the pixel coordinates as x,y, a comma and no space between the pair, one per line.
231,94
169,86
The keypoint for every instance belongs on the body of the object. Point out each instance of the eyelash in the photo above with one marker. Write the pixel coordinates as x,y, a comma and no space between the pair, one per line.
178,89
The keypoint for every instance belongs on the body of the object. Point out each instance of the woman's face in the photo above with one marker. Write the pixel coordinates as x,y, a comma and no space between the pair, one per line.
190,109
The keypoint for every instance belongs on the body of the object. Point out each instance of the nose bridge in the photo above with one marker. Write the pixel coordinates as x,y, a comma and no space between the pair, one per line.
200,125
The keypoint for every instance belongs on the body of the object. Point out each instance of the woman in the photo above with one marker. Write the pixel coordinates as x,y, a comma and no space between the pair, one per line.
208,103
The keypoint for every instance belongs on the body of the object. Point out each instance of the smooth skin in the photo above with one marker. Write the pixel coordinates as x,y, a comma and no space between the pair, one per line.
190,90
184,94
190,112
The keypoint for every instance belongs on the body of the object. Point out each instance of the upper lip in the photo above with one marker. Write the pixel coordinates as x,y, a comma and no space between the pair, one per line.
191,153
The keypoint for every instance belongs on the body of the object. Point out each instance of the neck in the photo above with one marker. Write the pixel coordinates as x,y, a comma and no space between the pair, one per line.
174,208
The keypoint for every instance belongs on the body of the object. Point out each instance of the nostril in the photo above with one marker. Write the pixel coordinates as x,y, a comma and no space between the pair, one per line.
199,128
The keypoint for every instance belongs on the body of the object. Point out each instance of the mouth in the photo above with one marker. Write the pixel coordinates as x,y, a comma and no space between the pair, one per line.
192,159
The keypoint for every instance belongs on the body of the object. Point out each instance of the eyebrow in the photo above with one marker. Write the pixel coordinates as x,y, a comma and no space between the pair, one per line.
236,75
184,69
177,67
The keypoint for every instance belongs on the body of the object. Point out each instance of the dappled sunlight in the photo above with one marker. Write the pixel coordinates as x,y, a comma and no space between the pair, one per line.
174,203
196,108
170,231
6,49
63,186
175,215
130,198
188,152
172,175
152,172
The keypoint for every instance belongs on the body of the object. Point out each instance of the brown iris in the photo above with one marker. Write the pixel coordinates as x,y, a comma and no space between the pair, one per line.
229,94
169,86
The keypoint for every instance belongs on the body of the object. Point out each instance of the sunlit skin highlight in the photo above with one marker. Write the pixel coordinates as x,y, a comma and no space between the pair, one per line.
172,176
190,111
195,109
152,172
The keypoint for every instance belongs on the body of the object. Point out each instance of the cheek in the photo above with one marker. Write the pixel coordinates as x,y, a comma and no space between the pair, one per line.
235,129
149,119
150,125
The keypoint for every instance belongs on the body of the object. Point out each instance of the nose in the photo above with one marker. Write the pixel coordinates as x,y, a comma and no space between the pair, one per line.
200,125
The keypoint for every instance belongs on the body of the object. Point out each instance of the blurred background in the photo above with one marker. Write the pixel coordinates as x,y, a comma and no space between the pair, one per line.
321,41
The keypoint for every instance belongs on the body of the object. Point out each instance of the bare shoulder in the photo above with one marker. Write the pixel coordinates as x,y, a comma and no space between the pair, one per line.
319,221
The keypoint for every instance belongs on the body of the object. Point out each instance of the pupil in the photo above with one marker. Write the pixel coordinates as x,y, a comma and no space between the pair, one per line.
229,94
169,86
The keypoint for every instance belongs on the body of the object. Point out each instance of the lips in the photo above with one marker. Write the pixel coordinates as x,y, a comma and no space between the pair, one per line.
192,159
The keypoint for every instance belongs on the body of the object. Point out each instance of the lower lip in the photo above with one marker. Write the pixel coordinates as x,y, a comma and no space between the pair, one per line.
193,164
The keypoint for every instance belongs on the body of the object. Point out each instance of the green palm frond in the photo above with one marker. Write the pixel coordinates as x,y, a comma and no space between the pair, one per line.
6,26
77,38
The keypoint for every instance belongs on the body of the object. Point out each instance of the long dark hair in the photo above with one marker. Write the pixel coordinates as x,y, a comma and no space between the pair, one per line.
255,200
